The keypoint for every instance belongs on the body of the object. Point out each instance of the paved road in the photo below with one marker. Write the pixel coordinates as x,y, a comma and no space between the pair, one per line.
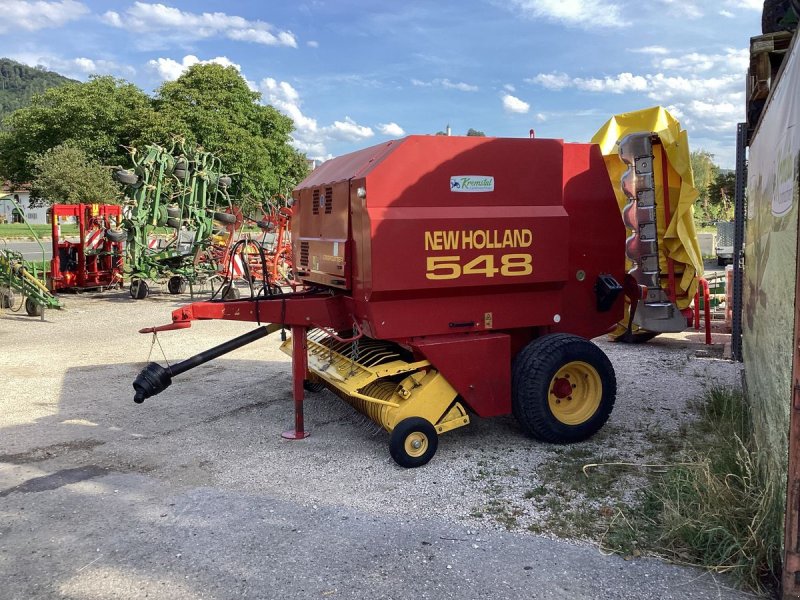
194,495
30,250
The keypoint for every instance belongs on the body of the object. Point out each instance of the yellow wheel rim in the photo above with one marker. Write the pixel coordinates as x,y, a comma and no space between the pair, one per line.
416,444
575,393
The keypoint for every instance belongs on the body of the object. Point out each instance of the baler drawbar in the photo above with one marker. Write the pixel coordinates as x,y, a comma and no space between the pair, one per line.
444,277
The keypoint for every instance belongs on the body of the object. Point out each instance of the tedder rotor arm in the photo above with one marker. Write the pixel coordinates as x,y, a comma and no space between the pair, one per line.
299,311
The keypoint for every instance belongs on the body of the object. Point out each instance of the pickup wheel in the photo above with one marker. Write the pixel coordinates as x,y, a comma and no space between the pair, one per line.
563,388
413,442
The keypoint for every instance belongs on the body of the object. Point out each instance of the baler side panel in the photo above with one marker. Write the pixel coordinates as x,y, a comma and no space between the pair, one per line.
477,366
597,245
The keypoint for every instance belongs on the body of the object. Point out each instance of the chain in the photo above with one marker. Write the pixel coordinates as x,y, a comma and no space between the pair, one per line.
153,342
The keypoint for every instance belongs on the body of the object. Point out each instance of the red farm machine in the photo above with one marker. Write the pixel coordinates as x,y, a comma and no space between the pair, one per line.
443,277
95,259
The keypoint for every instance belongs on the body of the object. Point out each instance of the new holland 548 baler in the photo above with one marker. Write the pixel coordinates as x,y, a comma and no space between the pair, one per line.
445,276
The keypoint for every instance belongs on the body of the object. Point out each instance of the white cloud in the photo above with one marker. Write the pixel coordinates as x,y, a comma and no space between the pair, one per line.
513,104
587,14
704,91
143,17
651,50
76,68
509,88
446,84
312,44
308,136
618,84
685,9
727,14
392,129
285,98
348,131
31,15
731,61
169,69
747,4
551,81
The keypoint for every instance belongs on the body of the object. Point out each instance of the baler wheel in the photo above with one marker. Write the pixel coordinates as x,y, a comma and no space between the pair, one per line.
139,289
176,284
563,388
32,308
413,442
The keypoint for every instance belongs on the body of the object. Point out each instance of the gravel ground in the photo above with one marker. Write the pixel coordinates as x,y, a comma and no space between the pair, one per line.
195,495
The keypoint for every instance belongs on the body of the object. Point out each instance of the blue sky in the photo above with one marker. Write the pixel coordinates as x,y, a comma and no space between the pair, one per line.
354,73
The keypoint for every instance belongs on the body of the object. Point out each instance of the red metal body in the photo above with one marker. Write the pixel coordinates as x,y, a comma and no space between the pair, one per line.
461,249
93,261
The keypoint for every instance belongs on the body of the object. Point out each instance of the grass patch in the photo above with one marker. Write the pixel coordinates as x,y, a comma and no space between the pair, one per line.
20,230
714,507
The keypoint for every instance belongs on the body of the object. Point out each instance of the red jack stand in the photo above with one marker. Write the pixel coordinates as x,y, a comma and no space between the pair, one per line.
299,368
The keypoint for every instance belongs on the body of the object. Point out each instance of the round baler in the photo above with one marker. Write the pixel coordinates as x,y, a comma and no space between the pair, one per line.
445,277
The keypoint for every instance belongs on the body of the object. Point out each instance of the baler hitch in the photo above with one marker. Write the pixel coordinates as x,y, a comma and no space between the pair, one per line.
154,378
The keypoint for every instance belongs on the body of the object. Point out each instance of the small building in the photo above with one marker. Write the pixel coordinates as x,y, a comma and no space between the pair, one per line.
36,214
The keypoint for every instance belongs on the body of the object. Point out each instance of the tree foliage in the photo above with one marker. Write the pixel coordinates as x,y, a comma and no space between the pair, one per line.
209,105
19,83
64,174
705,173
474,132
99,117
721,196
213,107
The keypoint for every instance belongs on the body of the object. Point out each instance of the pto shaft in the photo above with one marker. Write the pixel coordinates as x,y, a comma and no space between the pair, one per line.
154,378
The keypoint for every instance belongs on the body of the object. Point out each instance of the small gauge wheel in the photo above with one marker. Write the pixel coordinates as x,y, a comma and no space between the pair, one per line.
413,442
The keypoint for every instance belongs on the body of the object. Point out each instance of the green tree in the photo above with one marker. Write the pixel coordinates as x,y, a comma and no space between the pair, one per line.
705,172
99,117
212,106
721,195
474,132
65,175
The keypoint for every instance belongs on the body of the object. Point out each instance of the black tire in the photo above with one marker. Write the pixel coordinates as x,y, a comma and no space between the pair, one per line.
408,432
174,212
176,223
139,289
587,404
126,177
265,225
116,235
223,217
314,387
772,15
232,294
180,174
34,309
176,284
